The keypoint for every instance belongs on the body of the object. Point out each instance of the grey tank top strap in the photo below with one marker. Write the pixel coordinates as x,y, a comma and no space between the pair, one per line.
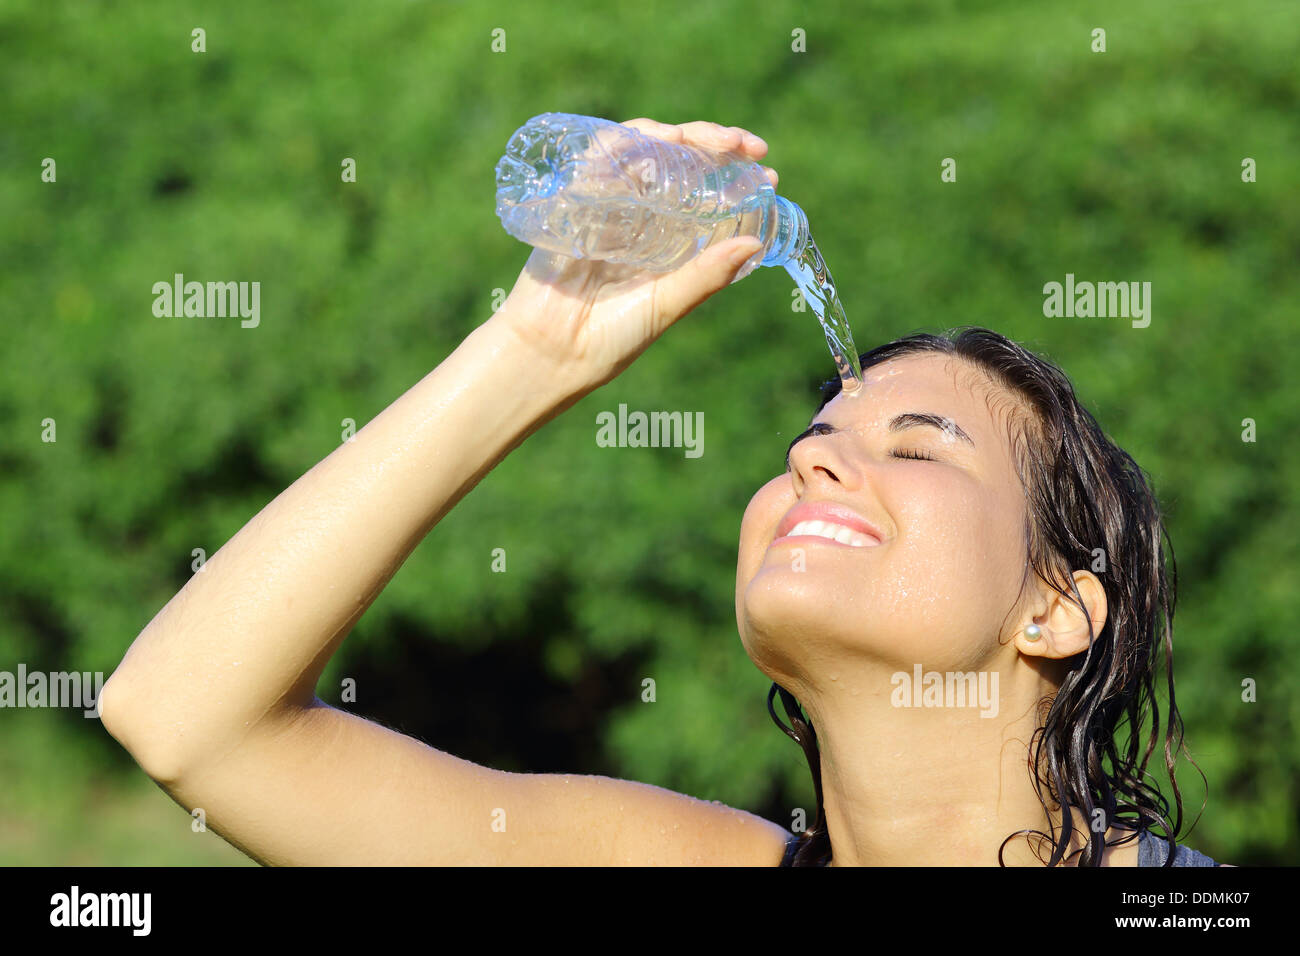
1152,850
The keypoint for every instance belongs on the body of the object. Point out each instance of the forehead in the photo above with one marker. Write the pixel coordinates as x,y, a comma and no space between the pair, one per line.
929,383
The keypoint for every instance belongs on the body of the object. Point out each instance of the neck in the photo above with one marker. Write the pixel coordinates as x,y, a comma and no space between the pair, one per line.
906,784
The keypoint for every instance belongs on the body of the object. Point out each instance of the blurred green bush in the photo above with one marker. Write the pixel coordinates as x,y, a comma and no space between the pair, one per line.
171,433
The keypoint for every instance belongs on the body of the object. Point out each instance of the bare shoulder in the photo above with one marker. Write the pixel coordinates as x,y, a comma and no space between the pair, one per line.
639,824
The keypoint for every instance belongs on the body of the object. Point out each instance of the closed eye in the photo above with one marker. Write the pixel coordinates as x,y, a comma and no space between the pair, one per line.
823,429
896,424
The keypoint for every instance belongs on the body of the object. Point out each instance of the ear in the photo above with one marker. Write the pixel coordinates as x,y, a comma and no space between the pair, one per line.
1062,623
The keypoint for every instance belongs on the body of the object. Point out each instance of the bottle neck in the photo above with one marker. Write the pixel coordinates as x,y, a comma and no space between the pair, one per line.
791,234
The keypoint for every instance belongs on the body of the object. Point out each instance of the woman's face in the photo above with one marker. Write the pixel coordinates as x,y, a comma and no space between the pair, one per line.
934,583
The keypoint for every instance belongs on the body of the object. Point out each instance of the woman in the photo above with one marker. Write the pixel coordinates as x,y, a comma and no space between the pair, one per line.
1052,607
897,546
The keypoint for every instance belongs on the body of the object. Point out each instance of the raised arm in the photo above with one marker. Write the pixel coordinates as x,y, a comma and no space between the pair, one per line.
245,641
215,698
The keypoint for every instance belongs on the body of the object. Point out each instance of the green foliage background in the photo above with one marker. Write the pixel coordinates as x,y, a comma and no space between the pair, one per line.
172,433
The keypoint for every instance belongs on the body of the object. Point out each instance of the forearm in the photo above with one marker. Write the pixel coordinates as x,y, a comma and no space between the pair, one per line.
248,636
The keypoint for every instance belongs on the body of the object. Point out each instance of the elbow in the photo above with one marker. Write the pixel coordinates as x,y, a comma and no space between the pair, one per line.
128,720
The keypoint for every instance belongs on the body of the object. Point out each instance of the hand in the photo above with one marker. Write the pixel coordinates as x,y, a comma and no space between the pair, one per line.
592,318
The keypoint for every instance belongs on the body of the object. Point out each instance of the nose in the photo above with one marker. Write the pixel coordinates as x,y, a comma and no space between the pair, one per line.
820,459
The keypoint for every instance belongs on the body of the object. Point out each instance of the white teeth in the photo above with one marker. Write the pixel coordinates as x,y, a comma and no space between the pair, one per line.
836,532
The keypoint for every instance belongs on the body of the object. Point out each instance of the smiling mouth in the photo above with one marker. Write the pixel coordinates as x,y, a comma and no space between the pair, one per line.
830,531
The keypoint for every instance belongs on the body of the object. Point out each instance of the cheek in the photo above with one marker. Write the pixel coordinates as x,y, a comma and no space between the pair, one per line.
765,509
955,566
948,517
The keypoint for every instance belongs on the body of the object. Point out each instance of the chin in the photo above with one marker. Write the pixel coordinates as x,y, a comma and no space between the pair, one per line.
794,626
786,621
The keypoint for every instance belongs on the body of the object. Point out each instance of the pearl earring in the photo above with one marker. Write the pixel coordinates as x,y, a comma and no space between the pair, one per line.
1033,632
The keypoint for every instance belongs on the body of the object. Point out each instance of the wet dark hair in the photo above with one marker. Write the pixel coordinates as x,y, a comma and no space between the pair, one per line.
1083,493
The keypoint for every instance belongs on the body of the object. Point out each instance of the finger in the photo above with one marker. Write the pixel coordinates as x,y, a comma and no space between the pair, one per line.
755,145
662,130
723,139
702,133
711,270
751,143
772,176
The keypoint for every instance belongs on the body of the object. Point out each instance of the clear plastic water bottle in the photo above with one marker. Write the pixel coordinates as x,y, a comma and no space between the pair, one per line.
594,189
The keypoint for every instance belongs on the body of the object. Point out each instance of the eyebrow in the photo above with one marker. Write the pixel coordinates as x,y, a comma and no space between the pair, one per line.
896,424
